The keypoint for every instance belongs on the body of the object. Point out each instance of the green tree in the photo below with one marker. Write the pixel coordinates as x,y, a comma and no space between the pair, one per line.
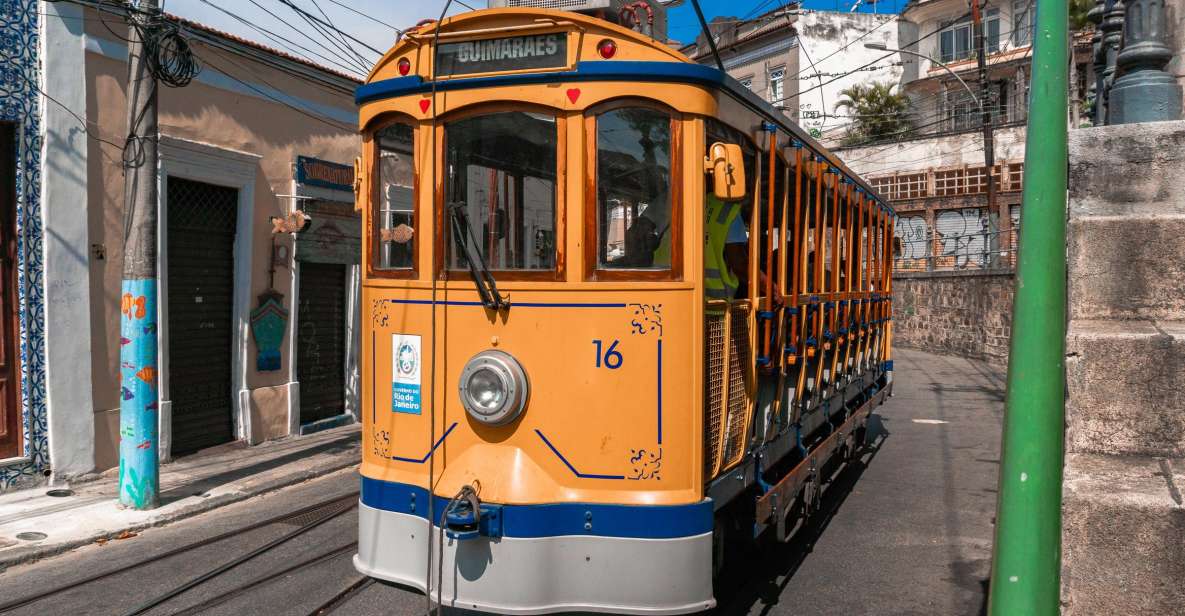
1078,11
877,112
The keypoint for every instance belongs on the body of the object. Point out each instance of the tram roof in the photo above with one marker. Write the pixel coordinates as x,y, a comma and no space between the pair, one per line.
680,69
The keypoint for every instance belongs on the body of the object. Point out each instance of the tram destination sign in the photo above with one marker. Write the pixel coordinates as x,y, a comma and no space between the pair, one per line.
515,53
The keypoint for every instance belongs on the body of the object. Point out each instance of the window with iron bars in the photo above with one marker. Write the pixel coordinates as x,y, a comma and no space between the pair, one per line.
961,111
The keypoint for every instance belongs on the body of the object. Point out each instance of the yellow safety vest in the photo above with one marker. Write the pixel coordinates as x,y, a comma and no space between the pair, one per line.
719,281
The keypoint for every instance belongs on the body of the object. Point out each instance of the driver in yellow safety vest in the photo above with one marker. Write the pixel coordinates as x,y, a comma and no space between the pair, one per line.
724,228
726,252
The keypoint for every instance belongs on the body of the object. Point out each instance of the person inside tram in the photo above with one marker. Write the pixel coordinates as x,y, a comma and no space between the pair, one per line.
726,252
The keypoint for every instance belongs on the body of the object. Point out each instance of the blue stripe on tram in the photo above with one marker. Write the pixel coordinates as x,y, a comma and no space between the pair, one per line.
557,519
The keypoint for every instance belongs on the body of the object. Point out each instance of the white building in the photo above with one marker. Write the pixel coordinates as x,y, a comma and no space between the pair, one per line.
800,60
832,57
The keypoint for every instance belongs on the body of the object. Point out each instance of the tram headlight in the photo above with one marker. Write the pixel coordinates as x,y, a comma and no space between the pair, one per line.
493,388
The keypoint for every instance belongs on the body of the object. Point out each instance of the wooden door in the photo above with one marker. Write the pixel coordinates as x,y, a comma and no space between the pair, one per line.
10,408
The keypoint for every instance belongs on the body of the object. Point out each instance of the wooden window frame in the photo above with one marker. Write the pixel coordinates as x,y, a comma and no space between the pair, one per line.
593,272
555,274
373,230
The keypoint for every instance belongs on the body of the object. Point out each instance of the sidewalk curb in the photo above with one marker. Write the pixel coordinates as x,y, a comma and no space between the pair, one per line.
39,552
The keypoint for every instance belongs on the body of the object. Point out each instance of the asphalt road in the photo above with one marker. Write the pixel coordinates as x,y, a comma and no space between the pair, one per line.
906,531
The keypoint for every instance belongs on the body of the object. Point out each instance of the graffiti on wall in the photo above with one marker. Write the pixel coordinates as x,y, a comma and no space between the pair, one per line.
963,235
911,231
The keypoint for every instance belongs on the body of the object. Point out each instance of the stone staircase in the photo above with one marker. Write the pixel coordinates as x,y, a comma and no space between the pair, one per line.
1123,535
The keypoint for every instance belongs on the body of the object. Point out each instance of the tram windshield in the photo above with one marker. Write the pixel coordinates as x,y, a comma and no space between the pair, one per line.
502,167
633,188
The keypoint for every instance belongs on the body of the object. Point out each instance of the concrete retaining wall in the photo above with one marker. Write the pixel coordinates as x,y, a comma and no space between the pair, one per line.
966,313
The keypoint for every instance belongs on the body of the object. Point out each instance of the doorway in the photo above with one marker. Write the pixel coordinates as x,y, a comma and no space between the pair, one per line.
321,343
10,405
201,220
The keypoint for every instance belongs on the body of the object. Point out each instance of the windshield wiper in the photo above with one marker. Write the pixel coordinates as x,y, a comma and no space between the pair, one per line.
487,289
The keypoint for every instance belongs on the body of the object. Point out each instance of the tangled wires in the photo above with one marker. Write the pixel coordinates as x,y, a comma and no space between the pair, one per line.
167,53
168,58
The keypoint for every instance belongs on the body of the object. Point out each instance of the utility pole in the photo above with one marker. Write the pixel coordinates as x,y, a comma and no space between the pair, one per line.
989,153
139,465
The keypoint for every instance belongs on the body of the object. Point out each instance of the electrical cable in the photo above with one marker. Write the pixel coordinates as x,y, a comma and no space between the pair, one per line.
305,13
335,42
37,88
338,30
270,97
348,59
367,16
287,43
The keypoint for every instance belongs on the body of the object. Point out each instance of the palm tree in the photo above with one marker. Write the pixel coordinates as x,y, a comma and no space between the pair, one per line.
877,112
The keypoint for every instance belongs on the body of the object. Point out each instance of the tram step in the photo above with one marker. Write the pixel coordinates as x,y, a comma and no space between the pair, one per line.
1127,267
1123,535
1127,169
1124,384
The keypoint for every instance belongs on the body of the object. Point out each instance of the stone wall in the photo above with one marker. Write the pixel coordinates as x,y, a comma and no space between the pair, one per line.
966,313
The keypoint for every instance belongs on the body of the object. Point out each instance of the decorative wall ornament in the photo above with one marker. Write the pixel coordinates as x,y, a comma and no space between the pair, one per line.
268,323
20,103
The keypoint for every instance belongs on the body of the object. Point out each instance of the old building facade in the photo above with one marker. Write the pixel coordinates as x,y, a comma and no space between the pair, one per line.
800,60
257,325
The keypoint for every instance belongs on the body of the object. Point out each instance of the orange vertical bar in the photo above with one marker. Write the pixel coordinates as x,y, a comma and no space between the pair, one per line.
766,324
799,242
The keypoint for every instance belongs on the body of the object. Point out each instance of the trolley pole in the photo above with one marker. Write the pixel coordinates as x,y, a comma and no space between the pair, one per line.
989,146
139,465
1027,552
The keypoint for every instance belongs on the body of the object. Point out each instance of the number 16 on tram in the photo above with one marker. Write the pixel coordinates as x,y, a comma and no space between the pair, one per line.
620,314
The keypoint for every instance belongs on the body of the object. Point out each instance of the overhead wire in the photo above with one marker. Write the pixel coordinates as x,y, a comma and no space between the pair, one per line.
307,113
347,59
338,30
349,36
287,44
327,33
367,16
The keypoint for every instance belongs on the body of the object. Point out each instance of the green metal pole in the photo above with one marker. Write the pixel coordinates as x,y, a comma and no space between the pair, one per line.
1027,552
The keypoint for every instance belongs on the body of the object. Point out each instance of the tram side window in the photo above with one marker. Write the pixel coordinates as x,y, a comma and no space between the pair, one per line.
634,189
396,197
501,170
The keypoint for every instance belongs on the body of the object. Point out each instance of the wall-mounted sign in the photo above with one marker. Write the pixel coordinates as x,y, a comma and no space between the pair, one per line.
335,235
405,373
504,54
322,173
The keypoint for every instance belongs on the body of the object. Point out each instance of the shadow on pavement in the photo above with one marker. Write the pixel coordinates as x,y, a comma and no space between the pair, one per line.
774,564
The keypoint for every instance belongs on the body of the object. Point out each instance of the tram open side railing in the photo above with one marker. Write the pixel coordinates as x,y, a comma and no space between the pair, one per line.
832,324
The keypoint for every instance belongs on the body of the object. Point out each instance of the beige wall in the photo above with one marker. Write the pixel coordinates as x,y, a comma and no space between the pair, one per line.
221,118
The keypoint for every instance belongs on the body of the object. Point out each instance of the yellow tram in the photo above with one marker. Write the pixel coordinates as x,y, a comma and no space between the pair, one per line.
568,406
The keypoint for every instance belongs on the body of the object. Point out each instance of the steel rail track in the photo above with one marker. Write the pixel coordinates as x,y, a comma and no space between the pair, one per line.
215,572
239,591
24,601
358,585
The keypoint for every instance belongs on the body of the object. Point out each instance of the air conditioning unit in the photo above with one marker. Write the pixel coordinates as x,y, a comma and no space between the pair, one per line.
609,10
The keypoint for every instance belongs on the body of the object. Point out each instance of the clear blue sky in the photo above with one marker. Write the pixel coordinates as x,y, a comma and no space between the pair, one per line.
287,32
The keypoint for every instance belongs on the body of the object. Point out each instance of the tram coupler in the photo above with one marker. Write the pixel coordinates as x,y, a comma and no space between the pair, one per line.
462,522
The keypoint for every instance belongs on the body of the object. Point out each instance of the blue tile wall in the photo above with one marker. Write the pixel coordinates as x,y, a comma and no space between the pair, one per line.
19,103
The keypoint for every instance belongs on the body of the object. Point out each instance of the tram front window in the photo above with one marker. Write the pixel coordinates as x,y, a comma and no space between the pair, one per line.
502,168
633,189
396,212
